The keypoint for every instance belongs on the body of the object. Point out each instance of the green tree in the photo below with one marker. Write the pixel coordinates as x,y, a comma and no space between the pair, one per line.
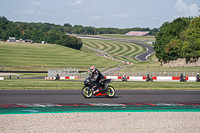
191,40
169,32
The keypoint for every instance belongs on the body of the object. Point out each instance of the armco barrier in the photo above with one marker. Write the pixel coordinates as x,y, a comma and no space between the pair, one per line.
70,77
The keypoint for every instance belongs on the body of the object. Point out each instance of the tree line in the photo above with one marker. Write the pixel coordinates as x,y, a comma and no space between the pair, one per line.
178,39
37,32
56,34
79,29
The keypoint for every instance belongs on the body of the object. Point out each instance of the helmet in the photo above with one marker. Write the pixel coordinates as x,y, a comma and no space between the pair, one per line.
92,68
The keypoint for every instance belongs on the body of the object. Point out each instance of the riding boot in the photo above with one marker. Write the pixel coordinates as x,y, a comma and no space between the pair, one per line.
95,92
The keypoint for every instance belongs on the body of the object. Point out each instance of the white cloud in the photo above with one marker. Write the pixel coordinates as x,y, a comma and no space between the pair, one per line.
35,3
154,18
110,16
95,17
78,1
120,15
31,11
186,10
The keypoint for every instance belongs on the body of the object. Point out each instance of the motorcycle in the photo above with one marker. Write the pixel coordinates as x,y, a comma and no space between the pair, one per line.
124,79
183,79
104,89
149,79
197,78
57,77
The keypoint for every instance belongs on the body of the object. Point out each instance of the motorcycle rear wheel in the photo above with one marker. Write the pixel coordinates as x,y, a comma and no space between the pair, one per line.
86,92
110,91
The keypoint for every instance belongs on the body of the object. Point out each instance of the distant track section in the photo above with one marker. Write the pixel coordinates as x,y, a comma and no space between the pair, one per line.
141,57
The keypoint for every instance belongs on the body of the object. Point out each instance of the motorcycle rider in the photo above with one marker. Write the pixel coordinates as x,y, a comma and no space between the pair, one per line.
197,78
124,77
181,77
151,78
148,78
96,77
57,77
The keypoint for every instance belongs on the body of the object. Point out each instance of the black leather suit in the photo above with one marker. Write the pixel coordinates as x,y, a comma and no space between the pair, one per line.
97,77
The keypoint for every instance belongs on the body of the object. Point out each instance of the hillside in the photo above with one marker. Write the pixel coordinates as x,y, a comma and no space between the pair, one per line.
119,50
13,55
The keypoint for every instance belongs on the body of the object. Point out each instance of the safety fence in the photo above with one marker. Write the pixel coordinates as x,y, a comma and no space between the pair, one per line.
69,71
129,70
154,71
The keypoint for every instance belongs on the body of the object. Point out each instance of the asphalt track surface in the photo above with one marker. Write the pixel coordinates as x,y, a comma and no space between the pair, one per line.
140,57
122,96
143,56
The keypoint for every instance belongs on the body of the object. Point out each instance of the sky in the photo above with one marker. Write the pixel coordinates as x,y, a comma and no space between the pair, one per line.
100,13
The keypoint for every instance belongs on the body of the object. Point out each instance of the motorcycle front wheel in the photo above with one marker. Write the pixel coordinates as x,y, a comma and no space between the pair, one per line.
110,91
86,92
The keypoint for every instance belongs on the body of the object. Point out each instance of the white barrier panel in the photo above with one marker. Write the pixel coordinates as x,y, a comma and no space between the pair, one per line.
50,77
192,78
62,77
72,77
1,78
136,77
164,78
111,77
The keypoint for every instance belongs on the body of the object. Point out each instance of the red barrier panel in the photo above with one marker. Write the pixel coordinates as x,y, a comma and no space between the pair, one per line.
154,78
119,77
175,78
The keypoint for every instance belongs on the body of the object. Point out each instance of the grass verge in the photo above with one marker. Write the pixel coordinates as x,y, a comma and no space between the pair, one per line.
63,84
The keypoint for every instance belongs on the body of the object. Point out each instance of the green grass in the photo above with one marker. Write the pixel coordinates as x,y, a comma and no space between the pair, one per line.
21,56
34,57
38,84
152,57
119,50
52,84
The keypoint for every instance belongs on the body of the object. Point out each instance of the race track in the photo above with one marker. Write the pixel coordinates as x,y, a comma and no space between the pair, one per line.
122,96
143,56
140,57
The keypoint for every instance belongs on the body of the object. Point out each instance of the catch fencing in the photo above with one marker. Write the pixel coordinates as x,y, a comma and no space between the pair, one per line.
154,71
65,72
